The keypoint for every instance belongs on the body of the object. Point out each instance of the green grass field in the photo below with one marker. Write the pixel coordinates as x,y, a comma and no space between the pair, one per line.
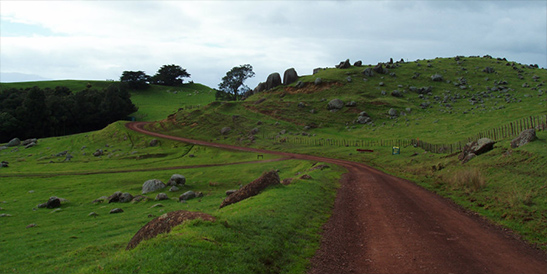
68,240
265,234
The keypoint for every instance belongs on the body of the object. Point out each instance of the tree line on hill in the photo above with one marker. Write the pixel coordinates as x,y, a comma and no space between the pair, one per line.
229,89
37,113
167,75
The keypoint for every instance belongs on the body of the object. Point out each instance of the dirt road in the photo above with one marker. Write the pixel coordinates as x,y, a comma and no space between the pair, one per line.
383,224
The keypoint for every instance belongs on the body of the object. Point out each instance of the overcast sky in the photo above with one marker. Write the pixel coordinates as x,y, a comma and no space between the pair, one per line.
98,40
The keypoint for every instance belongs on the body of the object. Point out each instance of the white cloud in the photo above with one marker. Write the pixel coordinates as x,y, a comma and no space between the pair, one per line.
101,39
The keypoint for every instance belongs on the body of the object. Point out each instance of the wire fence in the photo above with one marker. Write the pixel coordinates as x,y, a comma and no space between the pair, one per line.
509,130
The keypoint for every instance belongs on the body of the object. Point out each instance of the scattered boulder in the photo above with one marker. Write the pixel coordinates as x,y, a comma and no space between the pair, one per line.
98,153
305,177
335,104
290,76
174,189
153,142
100,200
30,145
254,188
152,185
31,225
351,104
187,195
53,202
29,141
114,198
368,72
380,69
318,81
176,179
273,80
4,164
437,77
138,199
164,224
477,148
488,70
93,214
5,215
344,64
14,142
225,130
259,88
396,93
299,84
116,210
161,196
125,197
525,137
364,118
392,112
358,63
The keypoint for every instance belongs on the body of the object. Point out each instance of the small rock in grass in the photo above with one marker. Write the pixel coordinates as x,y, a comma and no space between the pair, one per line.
31,225
161,196
156,205
94,214
116,210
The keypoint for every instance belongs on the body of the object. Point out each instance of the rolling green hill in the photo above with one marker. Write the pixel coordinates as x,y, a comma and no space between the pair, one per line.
266,234
154,103
476,96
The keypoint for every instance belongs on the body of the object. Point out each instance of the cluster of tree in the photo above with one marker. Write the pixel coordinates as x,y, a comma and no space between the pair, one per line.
167,75
38,113
232,84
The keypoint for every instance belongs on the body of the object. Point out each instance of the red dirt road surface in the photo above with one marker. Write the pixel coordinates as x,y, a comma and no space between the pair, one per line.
384,224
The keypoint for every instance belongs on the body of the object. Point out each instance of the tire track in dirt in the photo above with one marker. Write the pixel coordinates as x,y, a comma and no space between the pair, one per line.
384,224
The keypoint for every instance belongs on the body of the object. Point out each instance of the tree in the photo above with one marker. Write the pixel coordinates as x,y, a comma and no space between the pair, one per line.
135,79
170,75
232,83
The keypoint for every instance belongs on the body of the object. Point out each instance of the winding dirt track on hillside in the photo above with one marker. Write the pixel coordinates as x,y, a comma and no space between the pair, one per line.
384,224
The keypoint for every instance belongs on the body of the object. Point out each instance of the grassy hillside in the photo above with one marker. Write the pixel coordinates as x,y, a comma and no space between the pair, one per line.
476,94
266,233
68,240
155,103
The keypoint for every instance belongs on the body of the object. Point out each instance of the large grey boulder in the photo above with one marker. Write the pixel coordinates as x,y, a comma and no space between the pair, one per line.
335,104
392,112
176,179
358,63
152,185
14,142
290,76
477,148
273,80
525,137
